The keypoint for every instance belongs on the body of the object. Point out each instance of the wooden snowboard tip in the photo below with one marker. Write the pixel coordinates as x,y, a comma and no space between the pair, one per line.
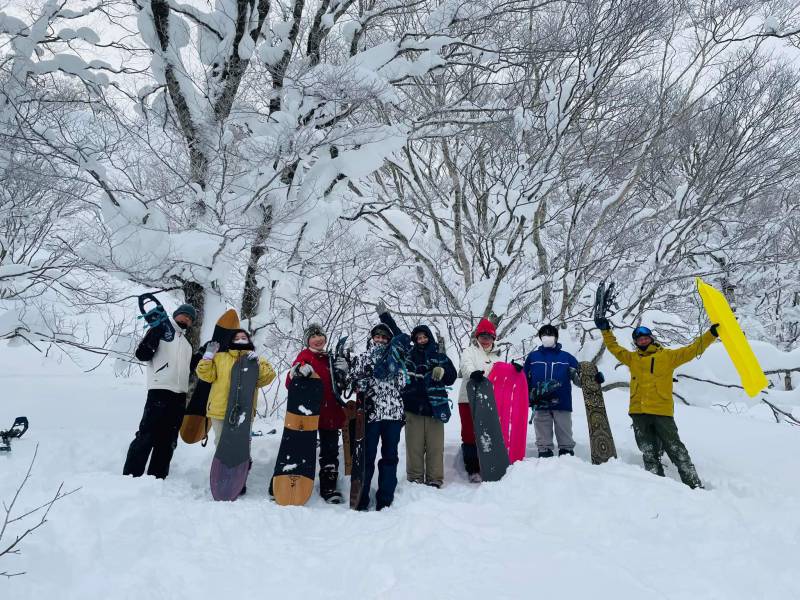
229,319
194,428
292,490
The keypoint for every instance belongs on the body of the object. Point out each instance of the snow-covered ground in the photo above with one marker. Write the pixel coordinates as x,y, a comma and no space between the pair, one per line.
553,528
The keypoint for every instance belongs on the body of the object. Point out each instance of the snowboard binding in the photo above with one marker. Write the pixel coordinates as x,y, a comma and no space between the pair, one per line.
17,430
156,317
604,299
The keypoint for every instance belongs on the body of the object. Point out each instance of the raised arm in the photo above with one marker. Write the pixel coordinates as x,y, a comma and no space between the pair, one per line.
695,349
620,353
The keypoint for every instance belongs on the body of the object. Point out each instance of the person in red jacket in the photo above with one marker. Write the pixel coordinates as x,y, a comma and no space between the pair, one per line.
314,359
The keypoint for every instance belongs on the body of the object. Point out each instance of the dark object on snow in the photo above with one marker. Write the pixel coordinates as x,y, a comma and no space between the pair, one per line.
231,461
17,430
295,466
492,453
600,438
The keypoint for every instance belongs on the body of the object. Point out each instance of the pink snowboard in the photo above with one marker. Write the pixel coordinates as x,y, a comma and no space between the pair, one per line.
511,395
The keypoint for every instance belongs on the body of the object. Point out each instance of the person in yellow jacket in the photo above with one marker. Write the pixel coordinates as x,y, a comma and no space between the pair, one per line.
215,368
652,408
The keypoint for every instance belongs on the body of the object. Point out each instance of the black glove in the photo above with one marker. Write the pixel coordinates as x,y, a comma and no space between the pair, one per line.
476,376
600,378
517,366
714,329
602,323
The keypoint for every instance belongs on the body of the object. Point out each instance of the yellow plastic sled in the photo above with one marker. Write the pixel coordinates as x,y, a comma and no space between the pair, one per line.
732,336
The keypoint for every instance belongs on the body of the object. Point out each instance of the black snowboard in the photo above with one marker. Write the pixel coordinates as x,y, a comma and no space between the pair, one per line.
492,453
600,438
232,458
295,466
358,442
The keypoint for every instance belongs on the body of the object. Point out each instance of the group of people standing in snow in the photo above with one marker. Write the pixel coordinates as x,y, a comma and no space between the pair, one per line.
414,398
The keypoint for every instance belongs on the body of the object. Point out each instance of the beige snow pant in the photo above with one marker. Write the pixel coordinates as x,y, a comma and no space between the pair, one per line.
424,449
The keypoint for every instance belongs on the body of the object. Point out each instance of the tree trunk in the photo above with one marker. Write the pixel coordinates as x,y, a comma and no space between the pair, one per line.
195,294
251,297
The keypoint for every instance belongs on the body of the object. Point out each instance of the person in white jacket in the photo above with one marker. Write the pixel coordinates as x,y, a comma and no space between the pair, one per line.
476,363
168,369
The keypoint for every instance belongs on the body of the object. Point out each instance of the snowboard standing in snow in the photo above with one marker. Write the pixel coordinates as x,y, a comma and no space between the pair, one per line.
511,394
295,466
357,443
600,438
195,424
232,457
492,453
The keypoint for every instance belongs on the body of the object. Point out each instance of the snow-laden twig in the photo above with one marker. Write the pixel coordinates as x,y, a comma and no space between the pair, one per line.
14,546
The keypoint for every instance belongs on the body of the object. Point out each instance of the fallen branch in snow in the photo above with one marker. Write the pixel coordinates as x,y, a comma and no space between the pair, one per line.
792,420
725,385
776,412
13,547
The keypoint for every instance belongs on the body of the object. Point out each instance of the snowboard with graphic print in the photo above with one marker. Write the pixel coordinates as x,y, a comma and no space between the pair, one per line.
492,453
231,461
600,438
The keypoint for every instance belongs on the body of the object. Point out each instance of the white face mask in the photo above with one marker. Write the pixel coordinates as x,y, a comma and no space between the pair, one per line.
548,341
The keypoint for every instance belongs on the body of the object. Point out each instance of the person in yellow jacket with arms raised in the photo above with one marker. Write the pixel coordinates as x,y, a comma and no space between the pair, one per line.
652,408
215,368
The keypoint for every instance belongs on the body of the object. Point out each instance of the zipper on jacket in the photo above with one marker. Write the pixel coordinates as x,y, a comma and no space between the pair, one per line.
652,363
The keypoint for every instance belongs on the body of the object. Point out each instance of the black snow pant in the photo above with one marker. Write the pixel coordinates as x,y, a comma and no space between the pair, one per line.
157,437
471,462
656,434
328,461
328,450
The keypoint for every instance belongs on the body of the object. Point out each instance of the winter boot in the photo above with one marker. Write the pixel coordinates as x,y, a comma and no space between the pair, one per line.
475,478
434,483
545,454
564,452
327,487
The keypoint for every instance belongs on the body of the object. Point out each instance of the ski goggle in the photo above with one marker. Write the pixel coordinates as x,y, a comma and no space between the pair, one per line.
641,332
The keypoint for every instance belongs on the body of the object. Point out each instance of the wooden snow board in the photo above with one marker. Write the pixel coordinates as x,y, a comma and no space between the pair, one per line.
492,453
295,466
358,446
600,438
195,425
231,461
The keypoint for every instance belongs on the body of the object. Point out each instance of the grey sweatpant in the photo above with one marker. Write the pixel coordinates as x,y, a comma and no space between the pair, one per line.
544,421
424,449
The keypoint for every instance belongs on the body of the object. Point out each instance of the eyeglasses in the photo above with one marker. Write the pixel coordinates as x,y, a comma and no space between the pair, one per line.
642,332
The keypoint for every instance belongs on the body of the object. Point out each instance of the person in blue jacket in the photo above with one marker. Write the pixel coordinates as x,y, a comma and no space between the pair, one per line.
550,370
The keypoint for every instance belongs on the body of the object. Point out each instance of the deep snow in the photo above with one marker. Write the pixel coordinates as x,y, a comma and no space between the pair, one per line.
552,528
